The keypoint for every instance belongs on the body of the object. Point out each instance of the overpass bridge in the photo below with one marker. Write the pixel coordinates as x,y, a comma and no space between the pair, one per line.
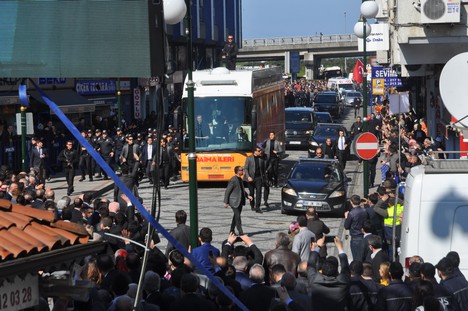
311,48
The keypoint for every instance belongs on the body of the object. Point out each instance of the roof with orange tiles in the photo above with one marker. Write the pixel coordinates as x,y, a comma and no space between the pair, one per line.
26,231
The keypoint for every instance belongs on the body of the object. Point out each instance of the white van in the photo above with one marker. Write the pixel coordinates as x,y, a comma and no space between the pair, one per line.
435,217
341,85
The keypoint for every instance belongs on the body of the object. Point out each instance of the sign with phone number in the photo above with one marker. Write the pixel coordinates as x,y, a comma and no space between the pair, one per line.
20,294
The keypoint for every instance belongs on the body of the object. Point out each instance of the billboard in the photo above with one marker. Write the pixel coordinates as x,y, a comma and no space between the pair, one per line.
79,38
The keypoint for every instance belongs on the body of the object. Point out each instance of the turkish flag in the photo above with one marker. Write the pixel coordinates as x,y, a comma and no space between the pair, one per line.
357,71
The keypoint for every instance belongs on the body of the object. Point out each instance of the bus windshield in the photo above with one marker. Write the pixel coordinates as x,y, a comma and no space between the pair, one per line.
221,124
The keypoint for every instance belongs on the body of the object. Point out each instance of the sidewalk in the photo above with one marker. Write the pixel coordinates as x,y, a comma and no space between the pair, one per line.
98,186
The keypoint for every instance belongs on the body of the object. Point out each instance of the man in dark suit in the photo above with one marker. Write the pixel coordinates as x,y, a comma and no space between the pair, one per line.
147,153
258,297
342,147
328,149
37,162
181,233
255,176
106,149
166,156
235,198
202,132
69,158
273,149
377,255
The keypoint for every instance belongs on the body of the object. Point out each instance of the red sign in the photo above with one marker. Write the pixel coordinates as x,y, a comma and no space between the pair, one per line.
366,146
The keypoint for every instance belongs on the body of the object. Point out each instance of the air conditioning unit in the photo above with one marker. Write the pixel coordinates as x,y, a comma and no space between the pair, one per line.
440,11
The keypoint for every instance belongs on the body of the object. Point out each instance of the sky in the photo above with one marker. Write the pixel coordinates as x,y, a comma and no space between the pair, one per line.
296,18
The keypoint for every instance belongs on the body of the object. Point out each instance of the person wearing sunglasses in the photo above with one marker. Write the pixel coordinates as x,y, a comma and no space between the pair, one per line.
230,53
235,197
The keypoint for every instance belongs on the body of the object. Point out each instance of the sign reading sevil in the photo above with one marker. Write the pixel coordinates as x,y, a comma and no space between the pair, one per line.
388,74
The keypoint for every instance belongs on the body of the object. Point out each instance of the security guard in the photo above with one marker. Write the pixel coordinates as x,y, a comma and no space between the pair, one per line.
106,149
386,208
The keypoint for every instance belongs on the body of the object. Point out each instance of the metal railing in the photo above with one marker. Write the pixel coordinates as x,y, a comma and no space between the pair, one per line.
318,39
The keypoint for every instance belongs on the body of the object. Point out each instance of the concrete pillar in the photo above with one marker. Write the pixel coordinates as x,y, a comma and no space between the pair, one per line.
309,65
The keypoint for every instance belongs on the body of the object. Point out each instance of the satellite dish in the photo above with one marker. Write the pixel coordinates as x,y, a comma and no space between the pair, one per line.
453,88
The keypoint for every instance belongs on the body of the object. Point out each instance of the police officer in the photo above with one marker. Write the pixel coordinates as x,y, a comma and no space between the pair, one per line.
96,142
106,149
85,158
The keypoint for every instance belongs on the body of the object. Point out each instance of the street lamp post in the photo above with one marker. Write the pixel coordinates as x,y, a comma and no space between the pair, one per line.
192,156
23,97
362,29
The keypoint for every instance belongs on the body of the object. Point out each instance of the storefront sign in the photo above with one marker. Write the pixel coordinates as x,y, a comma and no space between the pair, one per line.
388,74
20,294
9,84
96,87
137,103
9,100
378,40
55,83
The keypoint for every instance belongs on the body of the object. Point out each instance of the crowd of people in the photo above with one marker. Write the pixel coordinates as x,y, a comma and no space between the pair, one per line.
296,275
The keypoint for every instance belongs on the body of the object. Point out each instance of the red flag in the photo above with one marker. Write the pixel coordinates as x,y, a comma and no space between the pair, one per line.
358,70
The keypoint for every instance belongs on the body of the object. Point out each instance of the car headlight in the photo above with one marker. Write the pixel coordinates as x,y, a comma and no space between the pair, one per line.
308,132
337,194
313,143
290,191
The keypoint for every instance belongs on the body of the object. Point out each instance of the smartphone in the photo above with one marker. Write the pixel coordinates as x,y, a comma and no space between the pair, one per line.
330,239
312,240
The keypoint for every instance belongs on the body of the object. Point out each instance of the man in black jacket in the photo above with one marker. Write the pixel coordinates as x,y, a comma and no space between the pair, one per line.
456,285
69,158
230,53
329,288
397,295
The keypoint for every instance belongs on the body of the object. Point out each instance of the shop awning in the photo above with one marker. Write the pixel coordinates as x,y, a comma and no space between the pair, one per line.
68,100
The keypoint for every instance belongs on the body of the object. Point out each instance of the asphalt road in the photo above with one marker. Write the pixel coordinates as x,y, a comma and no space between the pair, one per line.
262,228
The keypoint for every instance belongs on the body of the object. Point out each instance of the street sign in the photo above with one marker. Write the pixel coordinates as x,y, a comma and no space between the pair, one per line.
366,146
389,75
378,86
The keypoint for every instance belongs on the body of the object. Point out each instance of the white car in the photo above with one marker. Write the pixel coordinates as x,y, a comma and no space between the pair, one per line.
349,97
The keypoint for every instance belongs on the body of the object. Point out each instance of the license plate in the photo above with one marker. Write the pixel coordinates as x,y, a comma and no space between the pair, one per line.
312,203
295,143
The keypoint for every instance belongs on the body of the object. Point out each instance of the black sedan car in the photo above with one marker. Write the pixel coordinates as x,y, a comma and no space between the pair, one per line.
322,132
320,183
300,122
329,102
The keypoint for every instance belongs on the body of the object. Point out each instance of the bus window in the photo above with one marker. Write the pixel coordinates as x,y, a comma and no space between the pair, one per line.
217,120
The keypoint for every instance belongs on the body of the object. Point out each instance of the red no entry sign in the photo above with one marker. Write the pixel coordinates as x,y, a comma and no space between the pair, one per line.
366,146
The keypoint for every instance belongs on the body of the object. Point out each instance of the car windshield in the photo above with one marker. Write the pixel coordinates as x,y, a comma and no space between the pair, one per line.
323,117
319,172
326,131
347,86
298,117
325,99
